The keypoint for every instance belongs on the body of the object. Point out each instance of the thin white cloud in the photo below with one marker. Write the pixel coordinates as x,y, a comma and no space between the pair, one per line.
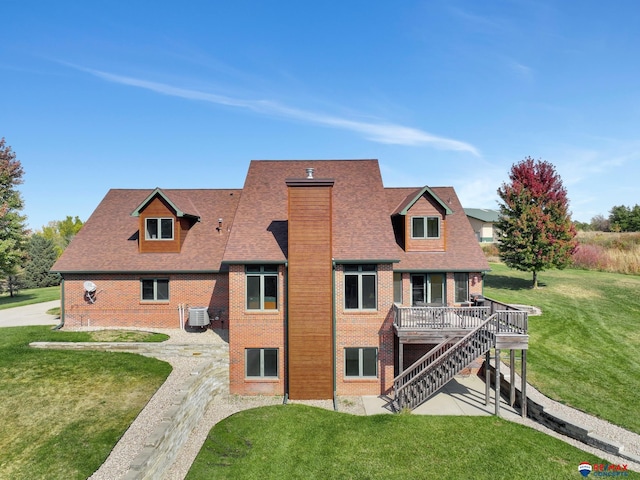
386,133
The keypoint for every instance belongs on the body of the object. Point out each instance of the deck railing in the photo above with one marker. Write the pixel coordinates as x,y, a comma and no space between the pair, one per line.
440,317
508,319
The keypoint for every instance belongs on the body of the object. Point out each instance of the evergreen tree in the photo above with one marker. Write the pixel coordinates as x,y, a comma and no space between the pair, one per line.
42,256
12,224
535,223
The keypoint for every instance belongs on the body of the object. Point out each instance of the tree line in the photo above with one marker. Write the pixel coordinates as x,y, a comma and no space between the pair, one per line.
621,219
26,257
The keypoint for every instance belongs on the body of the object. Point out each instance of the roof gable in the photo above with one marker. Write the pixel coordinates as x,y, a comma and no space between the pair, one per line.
159,193
411,200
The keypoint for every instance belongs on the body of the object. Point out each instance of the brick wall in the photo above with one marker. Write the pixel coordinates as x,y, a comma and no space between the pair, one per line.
354,329
366,329
118,300
254,329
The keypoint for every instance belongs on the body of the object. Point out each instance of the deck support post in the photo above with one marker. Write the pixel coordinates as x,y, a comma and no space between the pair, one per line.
487,378
497,357
401,357
523,386
512,377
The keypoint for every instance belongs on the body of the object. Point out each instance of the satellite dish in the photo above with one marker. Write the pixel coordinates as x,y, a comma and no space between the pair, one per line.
90,286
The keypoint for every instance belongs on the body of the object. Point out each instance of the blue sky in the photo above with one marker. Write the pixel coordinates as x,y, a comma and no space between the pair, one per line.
99,95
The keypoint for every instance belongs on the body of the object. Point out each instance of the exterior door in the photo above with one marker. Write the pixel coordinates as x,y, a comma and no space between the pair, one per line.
427,289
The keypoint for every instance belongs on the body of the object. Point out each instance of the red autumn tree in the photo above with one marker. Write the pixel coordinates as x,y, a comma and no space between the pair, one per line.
535,224
12,224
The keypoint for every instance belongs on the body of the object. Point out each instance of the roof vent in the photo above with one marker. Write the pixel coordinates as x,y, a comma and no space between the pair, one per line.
310,173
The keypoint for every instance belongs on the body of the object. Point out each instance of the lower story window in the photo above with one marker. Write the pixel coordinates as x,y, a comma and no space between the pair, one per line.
154,289
261,362
361,362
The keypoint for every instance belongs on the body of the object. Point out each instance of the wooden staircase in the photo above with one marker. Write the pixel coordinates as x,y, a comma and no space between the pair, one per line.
430,373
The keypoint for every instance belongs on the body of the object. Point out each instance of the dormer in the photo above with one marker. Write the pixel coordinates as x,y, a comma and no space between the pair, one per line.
421,222
162,226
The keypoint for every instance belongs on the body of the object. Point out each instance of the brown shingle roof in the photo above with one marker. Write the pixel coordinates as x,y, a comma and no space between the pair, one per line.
462,250
361,222
257,216
108,240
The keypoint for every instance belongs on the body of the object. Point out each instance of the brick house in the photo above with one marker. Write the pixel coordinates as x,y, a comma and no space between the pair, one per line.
305,266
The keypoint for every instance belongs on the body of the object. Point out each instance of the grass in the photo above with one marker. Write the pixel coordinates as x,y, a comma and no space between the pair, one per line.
301,442
28,297
584,350
62,412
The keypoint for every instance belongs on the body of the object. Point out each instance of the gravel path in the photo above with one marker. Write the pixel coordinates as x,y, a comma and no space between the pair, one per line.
117,464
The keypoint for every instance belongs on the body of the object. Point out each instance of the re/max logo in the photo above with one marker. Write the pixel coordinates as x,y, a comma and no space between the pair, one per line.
603,470
603,467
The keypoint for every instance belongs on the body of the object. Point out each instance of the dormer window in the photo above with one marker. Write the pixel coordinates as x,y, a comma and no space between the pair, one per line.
159,229
425,227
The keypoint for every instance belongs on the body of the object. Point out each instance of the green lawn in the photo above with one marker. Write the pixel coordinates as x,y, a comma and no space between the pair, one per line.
585,348
300,442
62,412
28,297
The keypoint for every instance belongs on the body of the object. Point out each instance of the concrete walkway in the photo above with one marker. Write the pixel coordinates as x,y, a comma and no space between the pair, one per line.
35,314
464,395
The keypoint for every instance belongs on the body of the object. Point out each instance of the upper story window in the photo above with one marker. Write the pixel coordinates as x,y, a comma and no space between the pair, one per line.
425,227
158,229
262,287
360,285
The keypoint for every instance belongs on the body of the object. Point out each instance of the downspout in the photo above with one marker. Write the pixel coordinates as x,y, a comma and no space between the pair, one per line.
61,324
335,363
285,400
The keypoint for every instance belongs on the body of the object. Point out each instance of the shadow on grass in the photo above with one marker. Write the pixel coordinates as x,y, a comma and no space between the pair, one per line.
18,297
508,283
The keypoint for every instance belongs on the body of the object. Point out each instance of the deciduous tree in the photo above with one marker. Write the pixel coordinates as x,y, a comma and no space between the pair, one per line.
13,230
60,232
535,223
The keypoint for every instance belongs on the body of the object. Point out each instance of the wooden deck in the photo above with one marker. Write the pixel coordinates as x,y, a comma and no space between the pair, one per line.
434,325
461,334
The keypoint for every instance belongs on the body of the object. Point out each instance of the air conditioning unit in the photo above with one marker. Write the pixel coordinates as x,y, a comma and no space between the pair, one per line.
198,317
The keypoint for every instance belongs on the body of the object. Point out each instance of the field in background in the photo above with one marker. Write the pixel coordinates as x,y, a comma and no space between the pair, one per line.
608,252
601,251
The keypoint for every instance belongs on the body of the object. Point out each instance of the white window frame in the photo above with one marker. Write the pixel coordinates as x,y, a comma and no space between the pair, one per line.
262,374
360,362
155,290
158,238
426,227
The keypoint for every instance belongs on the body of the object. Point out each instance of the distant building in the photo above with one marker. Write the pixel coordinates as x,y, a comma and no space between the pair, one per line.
483,221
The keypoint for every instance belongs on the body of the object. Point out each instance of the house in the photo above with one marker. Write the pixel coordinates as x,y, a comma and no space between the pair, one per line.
483,222
320,274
